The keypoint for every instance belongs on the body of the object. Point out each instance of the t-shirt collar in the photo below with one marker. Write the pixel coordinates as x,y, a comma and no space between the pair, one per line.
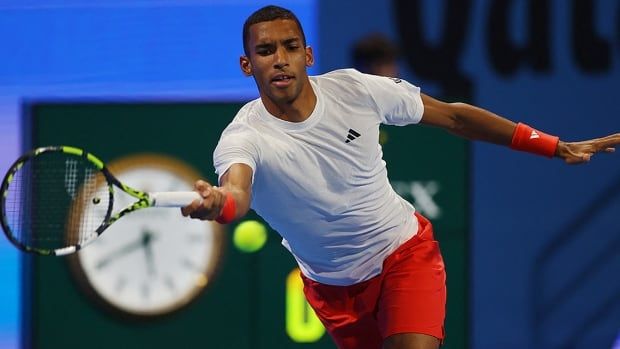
312,120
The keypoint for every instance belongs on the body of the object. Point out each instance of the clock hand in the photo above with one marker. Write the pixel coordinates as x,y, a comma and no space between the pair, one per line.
120,252
147,238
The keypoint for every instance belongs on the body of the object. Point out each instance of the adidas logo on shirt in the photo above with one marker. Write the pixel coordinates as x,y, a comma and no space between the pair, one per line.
352,135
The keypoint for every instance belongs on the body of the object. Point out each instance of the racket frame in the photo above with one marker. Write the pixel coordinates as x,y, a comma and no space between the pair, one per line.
144,199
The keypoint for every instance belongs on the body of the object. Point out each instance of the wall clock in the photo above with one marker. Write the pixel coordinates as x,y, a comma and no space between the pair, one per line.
151,262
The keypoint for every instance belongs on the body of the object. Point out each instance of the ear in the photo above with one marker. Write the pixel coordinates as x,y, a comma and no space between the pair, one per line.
246,66
309,57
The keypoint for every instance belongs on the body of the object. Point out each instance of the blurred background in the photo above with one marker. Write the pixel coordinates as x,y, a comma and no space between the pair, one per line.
532,246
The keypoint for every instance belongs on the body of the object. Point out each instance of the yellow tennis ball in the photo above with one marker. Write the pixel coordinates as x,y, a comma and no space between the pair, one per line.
250,236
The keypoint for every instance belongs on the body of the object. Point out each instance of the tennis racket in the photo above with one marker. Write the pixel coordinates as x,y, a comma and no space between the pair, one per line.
52,200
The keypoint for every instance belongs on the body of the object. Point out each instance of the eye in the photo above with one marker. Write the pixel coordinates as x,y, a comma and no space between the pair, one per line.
265,50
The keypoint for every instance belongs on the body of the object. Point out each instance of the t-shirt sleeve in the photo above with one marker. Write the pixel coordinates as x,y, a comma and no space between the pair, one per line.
237,145
398,101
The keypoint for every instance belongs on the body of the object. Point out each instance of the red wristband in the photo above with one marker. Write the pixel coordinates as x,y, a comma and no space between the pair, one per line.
229,210
533,141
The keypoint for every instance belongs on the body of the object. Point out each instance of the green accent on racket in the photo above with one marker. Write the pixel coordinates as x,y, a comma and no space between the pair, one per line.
57,199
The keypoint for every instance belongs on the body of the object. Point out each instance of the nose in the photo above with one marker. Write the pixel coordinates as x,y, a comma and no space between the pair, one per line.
280,58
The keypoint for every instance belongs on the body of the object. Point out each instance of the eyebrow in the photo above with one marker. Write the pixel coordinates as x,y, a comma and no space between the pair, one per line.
291,40
284,42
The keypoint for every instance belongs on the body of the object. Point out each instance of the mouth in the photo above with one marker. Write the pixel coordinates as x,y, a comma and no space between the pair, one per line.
282,80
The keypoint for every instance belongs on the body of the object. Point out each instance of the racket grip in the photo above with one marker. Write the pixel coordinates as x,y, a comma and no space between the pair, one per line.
173,198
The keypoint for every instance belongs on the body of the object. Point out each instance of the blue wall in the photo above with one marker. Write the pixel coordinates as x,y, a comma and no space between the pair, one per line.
115,50
530,288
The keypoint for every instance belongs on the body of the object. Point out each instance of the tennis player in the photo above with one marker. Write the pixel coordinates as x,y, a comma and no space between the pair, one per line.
305,156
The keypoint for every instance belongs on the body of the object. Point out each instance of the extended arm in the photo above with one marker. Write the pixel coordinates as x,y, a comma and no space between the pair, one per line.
236,183
478,124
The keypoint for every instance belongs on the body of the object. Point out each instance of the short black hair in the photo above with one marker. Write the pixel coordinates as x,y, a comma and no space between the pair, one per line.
373,49
267,14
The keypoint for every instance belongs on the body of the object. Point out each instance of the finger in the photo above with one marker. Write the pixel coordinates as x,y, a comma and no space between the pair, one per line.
204,209
594,146
217,207
600,144
578,158
210,216
207,202
575,161
201,185
200,212
196,215
195,205
206,192
604,148
609,141
211,204
187,210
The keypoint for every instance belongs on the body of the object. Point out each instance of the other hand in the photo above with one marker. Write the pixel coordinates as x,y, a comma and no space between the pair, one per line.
580,152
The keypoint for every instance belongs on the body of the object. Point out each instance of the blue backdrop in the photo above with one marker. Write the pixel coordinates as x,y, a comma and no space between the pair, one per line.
113,49
545,249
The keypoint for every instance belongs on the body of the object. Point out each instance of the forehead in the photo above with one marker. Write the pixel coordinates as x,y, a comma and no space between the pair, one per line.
276,30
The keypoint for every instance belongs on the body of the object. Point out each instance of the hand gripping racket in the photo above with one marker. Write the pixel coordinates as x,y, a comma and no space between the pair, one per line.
53,199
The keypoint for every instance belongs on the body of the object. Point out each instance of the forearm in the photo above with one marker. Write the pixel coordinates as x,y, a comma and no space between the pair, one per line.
237,182
478,124
241,199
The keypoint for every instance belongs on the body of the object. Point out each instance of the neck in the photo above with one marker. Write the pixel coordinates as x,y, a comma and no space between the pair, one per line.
296,110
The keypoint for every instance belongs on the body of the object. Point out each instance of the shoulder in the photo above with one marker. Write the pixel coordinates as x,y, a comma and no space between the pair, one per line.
346,84
245,119
352,79
247,114
340,76
243,127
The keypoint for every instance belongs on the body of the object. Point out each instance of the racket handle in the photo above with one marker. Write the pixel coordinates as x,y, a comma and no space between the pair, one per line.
173,198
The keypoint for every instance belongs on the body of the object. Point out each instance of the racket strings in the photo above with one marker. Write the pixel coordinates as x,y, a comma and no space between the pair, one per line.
55,200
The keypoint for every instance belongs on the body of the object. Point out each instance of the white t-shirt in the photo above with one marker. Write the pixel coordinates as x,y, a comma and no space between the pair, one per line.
322,183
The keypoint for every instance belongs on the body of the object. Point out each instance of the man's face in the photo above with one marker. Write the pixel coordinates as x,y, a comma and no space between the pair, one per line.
277,60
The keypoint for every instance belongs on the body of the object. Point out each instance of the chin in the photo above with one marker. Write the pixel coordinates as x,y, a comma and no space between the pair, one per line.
282,97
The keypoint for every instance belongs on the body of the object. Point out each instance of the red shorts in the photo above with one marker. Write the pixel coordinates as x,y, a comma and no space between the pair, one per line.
409,296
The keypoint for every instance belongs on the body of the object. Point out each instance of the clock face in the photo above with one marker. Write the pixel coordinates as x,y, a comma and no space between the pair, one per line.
153,261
